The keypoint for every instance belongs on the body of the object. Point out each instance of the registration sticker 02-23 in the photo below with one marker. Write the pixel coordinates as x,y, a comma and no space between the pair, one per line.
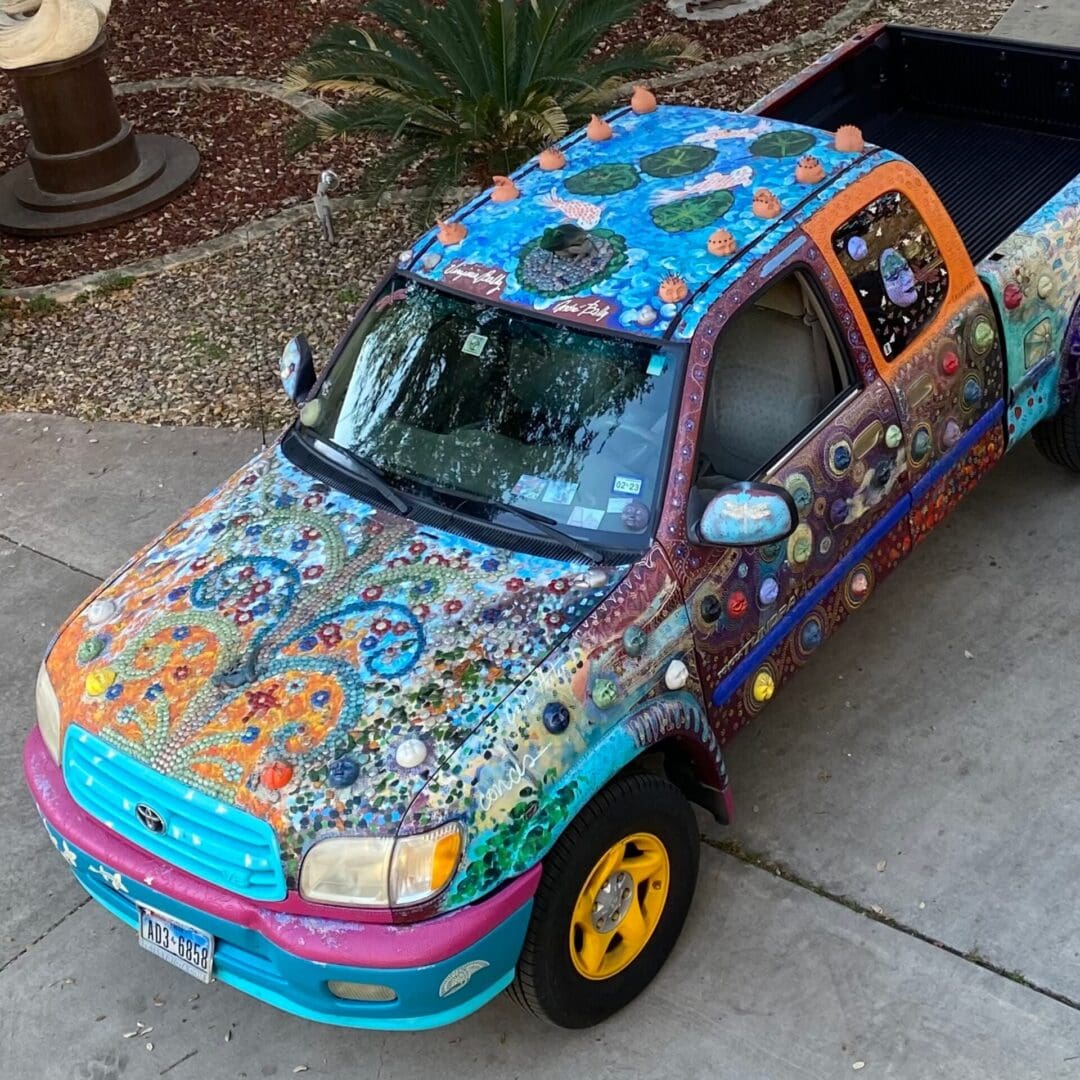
183,945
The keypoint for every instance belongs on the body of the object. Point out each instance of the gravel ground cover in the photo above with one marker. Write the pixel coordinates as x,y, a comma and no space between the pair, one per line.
200,344
244,175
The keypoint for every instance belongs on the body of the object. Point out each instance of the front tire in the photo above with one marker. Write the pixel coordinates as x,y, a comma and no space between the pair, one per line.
612,900
1058,438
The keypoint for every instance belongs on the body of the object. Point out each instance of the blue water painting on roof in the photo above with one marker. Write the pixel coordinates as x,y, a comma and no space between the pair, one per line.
633,225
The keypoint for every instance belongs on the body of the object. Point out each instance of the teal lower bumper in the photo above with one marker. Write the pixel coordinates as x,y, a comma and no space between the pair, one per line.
426,997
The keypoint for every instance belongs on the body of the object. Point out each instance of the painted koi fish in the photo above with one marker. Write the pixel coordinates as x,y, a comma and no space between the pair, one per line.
581,213
711,136
717,181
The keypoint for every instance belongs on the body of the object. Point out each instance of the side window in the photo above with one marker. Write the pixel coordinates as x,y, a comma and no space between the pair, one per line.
777,367
895,267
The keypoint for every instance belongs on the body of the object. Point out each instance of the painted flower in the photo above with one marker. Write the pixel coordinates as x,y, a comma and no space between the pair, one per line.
553,618
260,701
380,626
247,573
308,533
180,632
514,584
177,594
452,607
320,698
311,573
330,634
312,500
242,618
249,734
558,585
248,480
491,614
300,545
374,528
417,548
114,691
369,642
308,642
401,628
372,592
436,560
261,608
253,530
421,611
261,588
154,691
182,672
200,563
490,565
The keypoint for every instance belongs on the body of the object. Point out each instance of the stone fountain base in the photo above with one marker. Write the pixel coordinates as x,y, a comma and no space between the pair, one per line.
85,167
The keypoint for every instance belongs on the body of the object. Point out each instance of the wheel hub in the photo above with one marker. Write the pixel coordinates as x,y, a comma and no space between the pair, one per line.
613,901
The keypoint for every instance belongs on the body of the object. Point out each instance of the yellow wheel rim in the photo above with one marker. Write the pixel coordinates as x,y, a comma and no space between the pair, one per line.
619,906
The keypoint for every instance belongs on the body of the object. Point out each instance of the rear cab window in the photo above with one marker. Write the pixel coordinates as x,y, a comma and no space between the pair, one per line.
895,268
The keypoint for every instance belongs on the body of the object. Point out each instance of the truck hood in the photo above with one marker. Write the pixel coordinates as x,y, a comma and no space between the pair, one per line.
297,653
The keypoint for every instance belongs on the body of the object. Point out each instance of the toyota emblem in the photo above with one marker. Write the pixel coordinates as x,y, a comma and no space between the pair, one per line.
150,818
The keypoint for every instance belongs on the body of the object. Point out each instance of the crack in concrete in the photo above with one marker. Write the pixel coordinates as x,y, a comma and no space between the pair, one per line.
771,866
42,936
51,558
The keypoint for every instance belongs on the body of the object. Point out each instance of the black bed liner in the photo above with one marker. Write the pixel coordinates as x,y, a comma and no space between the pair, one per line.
994,125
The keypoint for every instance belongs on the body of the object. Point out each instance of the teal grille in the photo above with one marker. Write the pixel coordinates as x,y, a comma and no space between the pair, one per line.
205,837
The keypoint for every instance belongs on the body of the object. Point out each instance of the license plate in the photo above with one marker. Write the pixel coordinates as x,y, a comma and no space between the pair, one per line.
183,945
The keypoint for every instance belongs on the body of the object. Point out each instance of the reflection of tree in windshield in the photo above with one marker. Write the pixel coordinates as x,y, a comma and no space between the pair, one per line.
474,397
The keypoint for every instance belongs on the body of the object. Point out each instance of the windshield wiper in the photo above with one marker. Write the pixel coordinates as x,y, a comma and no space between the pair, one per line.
542,521
375,476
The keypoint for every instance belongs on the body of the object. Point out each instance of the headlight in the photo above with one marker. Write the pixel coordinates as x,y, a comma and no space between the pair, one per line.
48,712
377,871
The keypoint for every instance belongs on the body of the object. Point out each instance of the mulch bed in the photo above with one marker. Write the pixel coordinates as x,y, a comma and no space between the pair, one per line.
245,175
151,39
779,21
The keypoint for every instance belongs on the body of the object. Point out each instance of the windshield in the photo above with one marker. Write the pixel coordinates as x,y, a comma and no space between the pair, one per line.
501,407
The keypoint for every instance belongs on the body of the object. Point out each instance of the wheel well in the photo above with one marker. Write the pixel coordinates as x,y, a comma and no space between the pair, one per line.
693,771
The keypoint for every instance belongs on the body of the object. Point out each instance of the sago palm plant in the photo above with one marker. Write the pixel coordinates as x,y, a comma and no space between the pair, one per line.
470,87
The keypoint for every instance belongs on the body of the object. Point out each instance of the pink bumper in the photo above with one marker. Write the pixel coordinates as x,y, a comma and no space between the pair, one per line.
323,940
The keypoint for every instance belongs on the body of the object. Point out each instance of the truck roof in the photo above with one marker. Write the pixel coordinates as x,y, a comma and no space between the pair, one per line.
614,237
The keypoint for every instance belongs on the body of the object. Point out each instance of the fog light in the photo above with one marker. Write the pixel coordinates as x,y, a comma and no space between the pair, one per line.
361,991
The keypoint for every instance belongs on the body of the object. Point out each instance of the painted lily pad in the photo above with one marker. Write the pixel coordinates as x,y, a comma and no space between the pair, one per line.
678,160
781,144
686,215
603,180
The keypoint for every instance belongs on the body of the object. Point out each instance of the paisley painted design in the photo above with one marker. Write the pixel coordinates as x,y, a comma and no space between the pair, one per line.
278,646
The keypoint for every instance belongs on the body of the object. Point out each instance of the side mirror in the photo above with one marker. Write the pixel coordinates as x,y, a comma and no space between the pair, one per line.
747,514
297,369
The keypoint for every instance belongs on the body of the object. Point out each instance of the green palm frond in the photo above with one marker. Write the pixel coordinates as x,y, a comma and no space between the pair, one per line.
470,87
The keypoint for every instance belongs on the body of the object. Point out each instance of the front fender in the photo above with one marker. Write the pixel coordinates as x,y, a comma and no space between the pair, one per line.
582,716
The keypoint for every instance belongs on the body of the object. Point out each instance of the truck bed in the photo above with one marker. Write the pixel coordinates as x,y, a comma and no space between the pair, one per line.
994,125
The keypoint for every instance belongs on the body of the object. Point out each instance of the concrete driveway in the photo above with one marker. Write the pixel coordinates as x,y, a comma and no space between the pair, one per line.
897,892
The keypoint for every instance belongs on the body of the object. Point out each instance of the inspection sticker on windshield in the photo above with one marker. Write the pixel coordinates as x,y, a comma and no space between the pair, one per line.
624,484
474,345
585,518
529,487
560,491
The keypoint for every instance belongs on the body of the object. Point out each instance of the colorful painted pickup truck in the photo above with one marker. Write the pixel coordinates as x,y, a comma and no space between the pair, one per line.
412,709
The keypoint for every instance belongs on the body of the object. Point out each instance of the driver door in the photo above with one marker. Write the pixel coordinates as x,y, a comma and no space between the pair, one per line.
784,404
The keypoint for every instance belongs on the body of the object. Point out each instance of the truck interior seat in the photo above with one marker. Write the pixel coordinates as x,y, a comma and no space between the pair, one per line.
774,372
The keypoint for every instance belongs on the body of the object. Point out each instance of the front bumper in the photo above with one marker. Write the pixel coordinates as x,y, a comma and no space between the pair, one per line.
441,969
